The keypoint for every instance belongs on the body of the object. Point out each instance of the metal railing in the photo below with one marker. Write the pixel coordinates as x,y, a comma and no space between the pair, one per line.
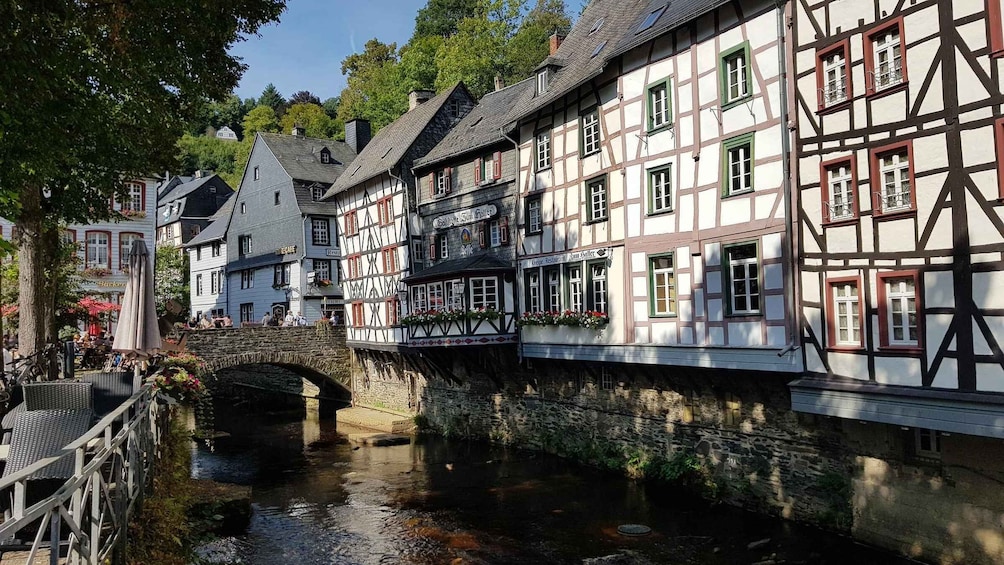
85,521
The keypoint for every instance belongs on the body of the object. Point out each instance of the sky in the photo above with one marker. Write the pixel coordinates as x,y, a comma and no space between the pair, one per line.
304,51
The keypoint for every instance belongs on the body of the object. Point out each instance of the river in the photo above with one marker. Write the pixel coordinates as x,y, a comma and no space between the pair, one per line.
318,500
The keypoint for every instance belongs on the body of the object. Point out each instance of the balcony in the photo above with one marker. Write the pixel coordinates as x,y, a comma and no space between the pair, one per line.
460,327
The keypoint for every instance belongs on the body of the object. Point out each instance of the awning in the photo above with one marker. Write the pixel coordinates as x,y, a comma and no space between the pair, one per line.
477,264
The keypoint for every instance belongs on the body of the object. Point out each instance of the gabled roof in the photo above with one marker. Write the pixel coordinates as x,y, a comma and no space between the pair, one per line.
389,146
481,127
675,14
481,263
185,188
217,229
578,57
300,157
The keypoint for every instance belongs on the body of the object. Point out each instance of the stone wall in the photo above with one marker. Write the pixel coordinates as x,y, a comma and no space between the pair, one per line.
319,350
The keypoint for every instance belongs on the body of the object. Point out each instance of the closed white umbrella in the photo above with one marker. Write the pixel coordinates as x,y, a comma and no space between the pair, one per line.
138,335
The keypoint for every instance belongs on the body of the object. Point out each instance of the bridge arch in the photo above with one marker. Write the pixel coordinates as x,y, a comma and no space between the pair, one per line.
314,369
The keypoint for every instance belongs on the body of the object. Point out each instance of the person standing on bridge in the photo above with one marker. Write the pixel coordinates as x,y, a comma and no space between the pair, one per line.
266,320
289,321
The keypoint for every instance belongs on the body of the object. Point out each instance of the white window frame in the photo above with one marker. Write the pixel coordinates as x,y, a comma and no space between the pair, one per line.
247,313
591,132
444,246
597,191
495,233
320,231
661,189
576,287
750,276
834,77
663,285
436,295
658,97
317,192
419,299
542,80
543,150
321,268
455,290
533,303
247,246
597,286
125,247
736,76
98,254
534,215
484,292
887,50
740,168
134,197
894,173
198,284
840,180
553,289
440,182
899,294
247,278
846,313
214,282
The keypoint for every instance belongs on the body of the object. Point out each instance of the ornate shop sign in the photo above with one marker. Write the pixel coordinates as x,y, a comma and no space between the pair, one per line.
461,217
584,255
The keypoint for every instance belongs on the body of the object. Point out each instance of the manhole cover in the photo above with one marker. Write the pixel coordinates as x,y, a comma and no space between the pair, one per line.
633,530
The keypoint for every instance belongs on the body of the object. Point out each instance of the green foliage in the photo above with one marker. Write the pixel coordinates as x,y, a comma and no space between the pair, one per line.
260,118
422,423
304,97
835,490
685,470
439,18
331,107
171,277
477,52
531,44
272,98
242,150
312,118
418,63
207,153
375,91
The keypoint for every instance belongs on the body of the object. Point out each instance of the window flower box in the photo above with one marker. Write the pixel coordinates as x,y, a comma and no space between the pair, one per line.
587,319
96,272
134,214
483,314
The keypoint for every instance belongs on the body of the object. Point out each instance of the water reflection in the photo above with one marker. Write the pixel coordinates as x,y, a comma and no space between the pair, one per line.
319,500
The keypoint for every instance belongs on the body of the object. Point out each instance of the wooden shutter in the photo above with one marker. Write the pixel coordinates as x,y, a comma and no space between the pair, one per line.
477,171
432,185
504,230
449,178
497,165
432,249
482,235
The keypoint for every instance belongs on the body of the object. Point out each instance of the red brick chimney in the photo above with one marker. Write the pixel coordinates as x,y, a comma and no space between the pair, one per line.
556,39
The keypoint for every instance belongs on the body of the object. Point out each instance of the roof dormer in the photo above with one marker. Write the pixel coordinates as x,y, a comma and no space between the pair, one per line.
545,72
325,155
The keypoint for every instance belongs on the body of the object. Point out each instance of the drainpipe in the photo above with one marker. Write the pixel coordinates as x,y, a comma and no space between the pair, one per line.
517,283
407,224
793,322
302,261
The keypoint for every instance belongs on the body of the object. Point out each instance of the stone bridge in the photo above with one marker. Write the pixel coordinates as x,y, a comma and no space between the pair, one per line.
314,352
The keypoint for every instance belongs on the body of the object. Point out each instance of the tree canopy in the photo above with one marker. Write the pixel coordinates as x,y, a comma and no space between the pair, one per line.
272,98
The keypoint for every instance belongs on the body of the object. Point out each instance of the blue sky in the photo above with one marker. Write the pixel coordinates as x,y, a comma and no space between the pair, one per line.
304,51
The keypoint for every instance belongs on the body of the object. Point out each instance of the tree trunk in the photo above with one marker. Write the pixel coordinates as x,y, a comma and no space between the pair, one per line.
51,266
31,269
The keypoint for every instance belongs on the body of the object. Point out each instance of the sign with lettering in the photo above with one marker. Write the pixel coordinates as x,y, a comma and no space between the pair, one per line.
288,250
471,215
331,252
115,284
584,255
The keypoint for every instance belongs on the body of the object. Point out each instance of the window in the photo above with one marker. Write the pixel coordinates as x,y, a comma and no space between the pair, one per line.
575,291
214,282
735,74
389,260
385,210
319,231
351,223
927,443
98,250
217,249
125,248
134,197
244,208
498,232
488,168
281,275
994,20
845,316
832,78
892,178
444,245
662,277
839,186
247,313
393,306
245,244
737,159
417,250
597,191
650,19
67,237
742,279
542,149
899,322
198,285
198,254
355,266
275,198
441,181
598,287
885,65
589,125
599,47
256,174
436,295
247,278
357,314
659,105
418,301
533,292
553,289
484,293
325,156
596,26
606,379
217,312
660,190
732,412
542,80
322,269
534,216
317,191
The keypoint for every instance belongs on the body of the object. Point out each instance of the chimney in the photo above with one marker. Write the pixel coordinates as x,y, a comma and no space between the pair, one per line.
556,39
357,134
298,131
499,82
416,97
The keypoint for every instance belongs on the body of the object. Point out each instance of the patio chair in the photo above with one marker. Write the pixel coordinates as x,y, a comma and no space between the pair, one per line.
111,389
7,423
58,395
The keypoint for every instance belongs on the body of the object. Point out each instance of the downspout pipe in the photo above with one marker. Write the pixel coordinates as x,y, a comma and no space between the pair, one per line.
791,311
516,248
407,223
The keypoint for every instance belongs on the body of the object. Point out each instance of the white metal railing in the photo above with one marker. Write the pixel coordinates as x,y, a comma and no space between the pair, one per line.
87,517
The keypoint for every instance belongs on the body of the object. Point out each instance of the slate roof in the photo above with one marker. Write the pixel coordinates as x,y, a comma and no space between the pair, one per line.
482,126
217,229
391,143
300,157
677,13
475,264
185,188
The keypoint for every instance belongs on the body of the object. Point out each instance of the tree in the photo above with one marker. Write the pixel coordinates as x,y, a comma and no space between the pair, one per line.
439,18
375,91
261,118
170,277
476,54
418,63
304,97
270,97
95,95
310,117
531,44
206,153
331,107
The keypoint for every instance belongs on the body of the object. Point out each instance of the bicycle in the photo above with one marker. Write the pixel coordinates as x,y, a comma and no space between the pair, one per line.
28,369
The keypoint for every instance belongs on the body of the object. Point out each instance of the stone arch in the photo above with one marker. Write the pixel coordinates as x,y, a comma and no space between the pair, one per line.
311,367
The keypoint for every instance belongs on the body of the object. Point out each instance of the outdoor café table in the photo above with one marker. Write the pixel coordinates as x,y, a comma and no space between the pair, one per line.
43,433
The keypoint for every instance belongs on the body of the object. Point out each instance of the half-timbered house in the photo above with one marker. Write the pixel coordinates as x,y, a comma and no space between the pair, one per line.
465,293
900,144
378,227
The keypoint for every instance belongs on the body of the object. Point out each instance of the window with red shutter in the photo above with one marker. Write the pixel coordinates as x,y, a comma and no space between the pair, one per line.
497,165
477,171
449,178
505,230
482,234
432,249
432,185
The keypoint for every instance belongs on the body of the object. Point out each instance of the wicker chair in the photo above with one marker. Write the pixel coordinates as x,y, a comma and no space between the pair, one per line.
111,389
43,433
57,396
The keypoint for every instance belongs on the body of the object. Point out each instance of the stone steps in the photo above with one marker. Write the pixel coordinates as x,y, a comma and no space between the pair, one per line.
376,420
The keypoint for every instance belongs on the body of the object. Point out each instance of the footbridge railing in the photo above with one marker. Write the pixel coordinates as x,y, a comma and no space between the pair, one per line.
85,520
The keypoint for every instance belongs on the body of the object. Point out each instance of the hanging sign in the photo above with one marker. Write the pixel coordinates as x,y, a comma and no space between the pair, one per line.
584,255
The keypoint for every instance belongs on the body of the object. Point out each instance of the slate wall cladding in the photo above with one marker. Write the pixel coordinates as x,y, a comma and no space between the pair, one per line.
320,350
